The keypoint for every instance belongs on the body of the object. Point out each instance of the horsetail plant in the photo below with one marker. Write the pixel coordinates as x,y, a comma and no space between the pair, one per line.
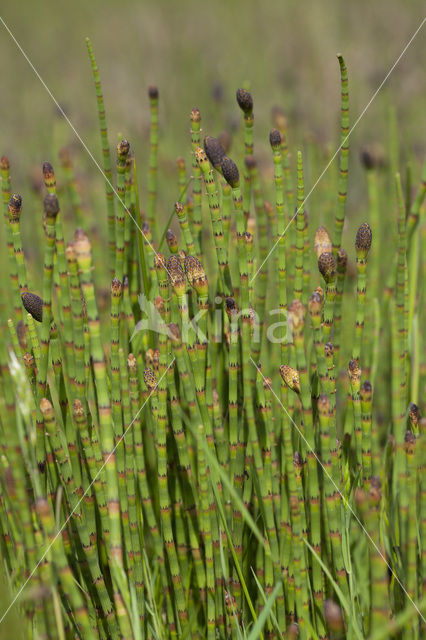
175,464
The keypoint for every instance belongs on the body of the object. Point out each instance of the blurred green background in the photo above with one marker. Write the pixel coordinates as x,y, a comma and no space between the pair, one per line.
286,50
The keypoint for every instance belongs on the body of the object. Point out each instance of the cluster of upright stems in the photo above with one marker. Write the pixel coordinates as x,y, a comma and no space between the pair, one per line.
239,451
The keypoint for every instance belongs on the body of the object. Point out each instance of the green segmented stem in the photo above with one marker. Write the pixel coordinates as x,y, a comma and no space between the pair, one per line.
186,230
207,535
92,458
234,367
74,195
196,185
366,420
370,510
343,159
65,299
153,159
80,522
400,403
374,211
106,157
315,307
262,230
411,445
340,283
116,291
13,267
354,373
361,289
77,324
122,153
84,260
329,274
331,497
163,494
221,250
299,568
14,208
130,380
300,230
64,573
296,314
51,208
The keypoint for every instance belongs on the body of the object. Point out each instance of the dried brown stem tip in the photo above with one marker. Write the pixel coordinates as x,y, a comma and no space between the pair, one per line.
354,372
230,172
290,377
245,101
4,163
342,261
214,151
33,304
51,206
366,391
123,148
363,240
150,379
275,139
315,304
333,616
153,92
414,414
116,287
296,315
48,175
15,207
327,266
231,307
322,241
195,115
171,239
174,332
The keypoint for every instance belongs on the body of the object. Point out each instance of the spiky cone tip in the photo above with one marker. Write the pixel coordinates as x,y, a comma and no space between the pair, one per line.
327,266
245,101
15,207
49,175
196,275
33,304
363,241
214,151
176,275
275,140
150,379
123,149
230,172
290,377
